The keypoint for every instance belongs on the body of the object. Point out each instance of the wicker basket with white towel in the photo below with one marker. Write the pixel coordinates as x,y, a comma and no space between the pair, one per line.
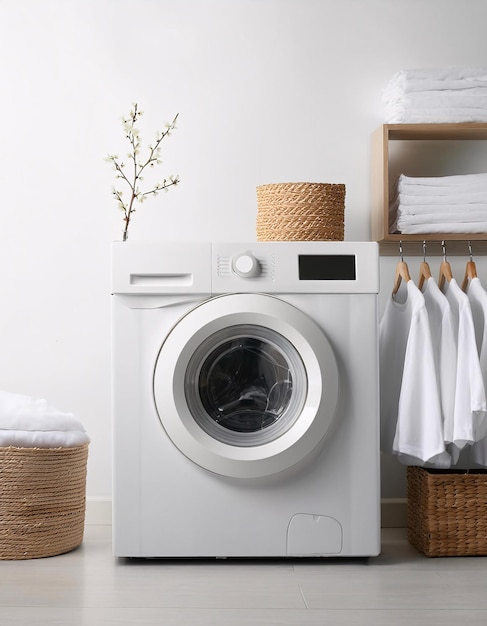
43,463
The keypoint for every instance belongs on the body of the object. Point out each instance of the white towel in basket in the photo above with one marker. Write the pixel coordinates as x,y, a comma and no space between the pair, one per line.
32,422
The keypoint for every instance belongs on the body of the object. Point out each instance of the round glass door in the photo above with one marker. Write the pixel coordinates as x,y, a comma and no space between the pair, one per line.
246,385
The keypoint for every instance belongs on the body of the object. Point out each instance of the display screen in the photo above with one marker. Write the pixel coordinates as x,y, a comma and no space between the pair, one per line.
327,267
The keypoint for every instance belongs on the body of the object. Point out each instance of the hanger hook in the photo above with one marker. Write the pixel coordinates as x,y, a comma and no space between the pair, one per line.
400,251
424,251
443,247
470,250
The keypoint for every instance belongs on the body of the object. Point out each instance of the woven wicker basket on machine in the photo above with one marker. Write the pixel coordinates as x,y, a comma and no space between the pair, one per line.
447,511
301,212
42,500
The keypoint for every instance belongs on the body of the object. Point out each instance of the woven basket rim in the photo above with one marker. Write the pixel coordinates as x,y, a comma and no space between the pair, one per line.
299,184
30,448
450,472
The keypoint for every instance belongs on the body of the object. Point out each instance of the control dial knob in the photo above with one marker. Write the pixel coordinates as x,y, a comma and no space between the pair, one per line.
246,265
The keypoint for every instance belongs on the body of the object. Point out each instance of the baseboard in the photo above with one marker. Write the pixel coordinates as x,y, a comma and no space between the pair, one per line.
393,512
98,511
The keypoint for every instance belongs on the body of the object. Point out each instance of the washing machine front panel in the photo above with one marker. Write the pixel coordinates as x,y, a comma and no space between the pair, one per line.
182,491
246,385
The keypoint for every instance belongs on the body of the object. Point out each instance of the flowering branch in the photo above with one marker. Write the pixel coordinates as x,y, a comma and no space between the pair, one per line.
137,166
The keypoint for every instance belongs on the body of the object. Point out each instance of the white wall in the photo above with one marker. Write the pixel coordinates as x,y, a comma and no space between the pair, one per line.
267,91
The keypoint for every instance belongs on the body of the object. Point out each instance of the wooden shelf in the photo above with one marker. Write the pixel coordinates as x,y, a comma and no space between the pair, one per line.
380,162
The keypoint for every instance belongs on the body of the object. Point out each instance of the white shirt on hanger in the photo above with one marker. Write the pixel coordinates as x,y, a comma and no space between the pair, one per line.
470,411
478,301
442,329
411,418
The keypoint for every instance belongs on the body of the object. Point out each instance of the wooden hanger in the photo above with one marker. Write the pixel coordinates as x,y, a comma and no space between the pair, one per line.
445,269
470,270
402,272
424,269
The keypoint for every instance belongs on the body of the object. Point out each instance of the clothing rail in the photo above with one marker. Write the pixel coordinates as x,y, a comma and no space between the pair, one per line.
454,247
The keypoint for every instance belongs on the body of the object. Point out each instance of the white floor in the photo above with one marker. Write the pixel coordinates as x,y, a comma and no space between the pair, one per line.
89,587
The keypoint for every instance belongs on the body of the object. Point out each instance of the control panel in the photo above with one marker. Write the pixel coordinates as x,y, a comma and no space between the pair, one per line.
295,267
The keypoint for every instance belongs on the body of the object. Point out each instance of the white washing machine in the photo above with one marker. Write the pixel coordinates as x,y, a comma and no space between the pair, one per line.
245,399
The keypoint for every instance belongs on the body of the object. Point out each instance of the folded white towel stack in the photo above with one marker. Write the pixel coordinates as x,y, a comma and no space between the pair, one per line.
440,204
449,95
27,422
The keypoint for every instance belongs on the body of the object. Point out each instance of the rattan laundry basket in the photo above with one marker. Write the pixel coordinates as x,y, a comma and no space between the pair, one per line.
300,212
447,511
42,501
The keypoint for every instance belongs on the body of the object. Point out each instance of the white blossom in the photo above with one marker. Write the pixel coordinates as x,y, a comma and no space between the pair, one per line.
132,133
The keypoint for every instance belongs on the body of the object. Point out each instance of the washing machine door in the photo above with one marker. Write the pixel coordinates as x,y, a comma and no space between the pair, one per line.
246,385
